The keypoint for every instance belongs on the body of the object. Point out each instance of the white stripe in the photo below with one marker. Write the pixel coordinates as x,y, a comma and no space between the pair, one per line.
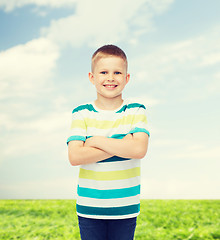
139,110
77,116
141,125
109,217
108,132
105,116
119,202
112,166
106,185
111,119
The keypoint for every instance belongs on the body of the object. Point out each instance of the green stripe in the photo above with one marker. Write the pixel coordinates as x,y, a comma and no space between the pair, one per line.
78,124
84,107
105,124
108,211
109,175
131,105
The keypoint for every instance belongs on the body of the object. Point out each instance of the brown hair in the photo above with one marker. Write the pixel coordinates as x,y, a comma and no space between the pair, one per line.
110,50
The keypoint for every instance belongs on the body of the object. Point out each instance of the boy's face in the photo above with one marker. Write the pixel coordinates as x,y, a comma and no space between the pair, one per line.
109,77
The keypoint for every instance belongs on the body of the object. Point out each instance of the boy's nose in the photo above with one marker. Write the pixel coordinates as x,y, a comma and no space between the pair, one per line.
111,77
111,80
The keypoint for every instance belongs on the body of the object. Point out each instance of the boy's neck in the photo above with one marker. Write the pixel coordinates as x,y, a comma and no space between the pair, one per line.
108,104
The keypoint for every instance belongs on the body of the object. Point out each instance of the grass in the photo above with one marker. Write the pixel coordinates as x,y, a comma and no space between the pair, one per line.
159,220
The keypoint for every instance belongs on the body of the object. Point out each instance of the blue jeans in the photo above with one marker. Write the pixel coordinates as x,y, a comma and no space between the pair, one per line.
107,229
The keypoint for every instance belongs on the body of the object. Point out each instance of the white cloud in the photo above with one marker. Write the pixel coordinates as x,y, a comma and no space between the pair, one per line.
147,101
211,59
189,66
27,69
24,69
59,188
46,133
182,149
98,22
181,169
174,188
198,152
12,4
177,59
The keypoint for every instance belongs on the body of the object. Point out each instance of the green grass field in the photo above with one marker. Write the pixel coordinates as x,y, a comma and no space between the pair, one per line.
159,220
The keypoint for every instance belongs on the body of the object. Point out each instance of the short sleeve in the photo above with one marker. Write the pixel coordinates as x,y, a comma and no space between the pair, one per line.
140,123
78,127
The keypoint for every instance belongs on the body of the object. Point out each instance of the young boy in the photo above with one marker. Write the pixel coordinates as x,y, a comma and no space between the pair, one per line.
108,138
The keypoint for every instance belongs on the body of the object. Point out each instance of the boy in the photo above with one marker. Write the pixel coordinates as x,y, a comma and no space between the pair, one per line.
108,138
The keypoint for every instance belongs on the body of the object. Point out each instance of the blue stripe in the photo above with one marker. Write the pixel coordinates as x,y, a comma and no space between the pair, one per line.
137,129
83,107
108,194
114,159
118,136
108,211
76,138
131,105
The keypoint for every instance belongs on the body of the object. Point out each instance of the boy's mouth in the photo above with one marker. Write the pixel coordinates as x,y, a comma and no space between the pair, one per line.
110,85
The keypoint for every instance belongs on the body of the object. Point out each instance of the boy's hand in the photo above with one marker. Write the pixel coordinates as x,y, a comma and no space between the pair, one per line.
128,137
131,146
90,142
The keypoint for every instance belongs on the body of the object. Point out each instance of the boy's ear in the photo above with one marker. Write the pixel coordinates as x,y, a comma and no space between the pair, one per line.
91,77
127,78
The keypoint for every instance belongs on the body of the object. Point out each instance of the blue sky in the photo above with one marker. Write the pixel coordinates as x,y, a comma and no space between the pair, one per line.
173,49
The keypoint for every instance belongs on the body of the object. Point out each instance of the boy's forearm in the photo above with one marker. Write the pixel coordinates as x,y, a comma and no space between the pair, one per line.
126,148
86,155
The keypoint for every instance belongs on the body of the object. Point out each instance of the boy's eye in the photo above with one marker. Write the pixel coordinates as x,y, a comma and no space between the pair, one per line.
103,72
117,73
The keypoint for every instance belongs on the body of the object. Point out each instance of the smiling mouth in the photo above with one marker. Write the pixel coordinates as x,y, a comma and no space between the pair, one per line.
110,85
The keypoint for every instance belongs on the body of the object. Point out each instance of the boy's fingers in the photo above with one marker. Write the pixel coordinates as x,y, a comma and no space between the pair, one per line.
86,144
128,136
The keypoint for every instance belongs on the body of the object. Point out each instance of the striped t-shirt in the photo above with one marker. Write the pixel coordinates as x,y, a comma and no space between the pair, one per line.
109,189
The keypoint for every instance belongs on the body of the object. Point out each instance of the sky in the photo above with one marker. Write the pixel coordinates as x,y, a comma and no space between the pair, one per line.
173,50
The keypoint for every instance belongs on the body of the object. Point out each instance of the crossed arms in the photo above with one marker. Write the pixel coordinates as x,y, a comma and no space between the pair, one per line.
98,148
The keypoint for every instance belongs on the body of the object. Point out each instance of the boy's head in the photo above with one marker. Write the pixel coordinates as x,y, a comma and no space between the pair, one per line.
109,72
106,51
